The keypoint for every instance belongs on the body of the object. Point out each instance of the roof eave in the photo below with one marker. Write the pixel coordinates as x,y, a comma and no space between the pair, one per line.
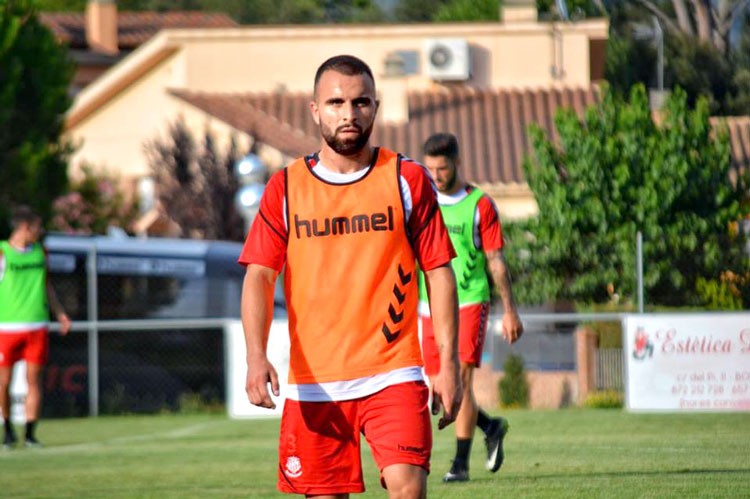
119,77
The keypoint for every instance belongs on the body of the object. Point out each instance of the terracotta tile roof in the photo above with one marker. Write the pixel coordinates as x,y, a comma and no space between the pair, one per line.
133,28
490,124
281,121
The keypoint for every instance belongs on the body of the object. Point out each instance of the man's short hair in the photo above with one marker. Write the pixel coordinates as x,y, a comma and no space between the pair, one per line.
23,214
441,144
345,64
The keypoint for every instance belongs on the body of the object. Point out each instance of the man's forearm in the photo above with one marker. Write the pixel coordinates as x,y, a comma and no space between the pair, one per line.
446,386
501,278
54,302
441,285
257,308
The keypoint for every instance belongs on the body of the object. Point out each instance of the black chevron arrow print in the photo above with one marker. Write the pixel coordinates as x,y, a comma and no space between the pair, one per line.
405,277
390,337
395,317
398,294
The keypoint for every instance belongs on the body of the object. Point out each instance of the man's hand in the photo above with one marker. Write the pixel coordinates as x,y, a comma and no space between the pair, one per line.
257,313
447,393
446,388
260,373
64,321
512,326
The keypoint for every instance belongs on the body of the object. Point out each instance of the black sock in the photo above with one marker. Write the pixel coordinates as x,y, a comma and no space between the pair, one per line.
484,422
463,449
30,426
8,426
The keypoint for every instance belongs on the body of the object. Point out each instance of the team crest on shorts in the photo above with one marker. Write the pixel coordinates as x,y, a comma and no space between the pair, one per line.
293,467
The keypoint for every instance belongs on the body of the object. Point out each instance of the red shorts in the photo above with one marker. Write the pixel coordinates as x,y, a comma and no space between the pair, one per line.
31,346
319,445
472,329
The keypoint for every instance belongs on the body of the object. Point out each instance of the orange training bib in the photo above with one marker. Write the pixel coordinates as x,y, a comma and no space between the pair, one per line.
350,278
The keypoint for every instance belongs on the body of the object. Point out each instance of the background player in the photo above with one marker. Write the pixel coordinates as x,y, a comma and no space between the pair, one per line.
474,227
25,293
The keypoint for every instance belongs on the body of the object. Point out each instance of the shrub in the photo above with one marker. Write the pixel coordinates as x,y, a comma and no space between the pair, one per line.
514,388
604,399
724,293
92,205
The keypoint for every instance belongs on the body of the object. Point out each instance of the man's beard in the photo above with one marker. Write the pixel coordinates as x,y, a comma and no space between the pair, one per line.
348,147
450,183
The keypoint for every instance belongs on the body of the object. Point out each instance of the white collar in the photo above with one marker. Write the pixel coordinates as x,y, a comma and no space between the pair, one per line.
451,199
338,178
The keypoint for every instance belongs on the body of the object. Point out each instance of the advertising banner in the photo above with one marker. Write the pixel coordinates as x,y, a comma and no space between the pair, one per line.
238,405
687,362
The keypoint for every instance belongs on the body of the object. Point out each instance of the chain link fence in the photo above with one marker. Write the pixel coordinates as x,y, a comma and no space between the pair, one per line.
148,331
142,371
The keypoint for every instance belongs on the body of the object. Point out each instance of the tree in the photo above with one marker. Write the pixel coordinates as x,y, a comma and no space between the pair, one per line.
709,21
576,9
196,186
699,53
297,11
489,10
61,5
250,11
34,76
337,11
469,10
268,11
617,172
416,11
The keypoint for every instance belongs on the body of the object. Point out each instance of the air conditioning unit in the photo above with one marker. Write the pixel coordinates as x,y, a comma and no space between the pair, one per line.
448,59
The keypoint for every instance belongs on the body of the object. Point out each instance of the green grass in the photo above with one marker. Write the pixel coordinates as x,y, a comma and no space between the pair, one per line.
566,453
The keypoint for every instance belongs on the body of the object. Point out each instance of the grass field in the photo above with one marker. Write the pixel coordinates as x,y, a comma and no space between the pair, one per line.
567,453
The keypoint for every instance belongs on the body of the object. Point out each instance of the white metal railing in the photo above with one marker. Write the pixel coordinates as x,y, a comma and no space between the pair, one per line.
94,329
609,369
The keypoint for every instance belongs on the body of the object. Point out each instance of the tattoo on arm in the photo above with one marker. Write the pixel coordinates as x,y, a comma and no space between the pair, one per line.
500,276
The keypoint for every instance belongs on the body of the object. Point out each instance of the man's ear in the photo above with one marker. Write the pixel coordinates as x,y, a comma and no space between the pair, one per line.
314,111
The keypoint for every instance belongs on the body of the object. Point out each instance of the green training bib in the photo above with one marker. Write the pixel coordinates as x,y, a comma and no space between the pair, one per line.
23,289
469,266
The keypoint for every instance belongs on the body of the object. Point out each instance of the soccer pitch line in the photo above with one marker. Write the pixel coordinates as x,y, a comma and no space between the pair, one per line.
175,433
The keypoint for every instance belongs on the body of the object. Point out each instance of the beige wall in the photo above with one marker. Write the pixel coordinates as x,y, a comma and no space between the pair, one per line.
514,202
264,59
118,113
114,137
